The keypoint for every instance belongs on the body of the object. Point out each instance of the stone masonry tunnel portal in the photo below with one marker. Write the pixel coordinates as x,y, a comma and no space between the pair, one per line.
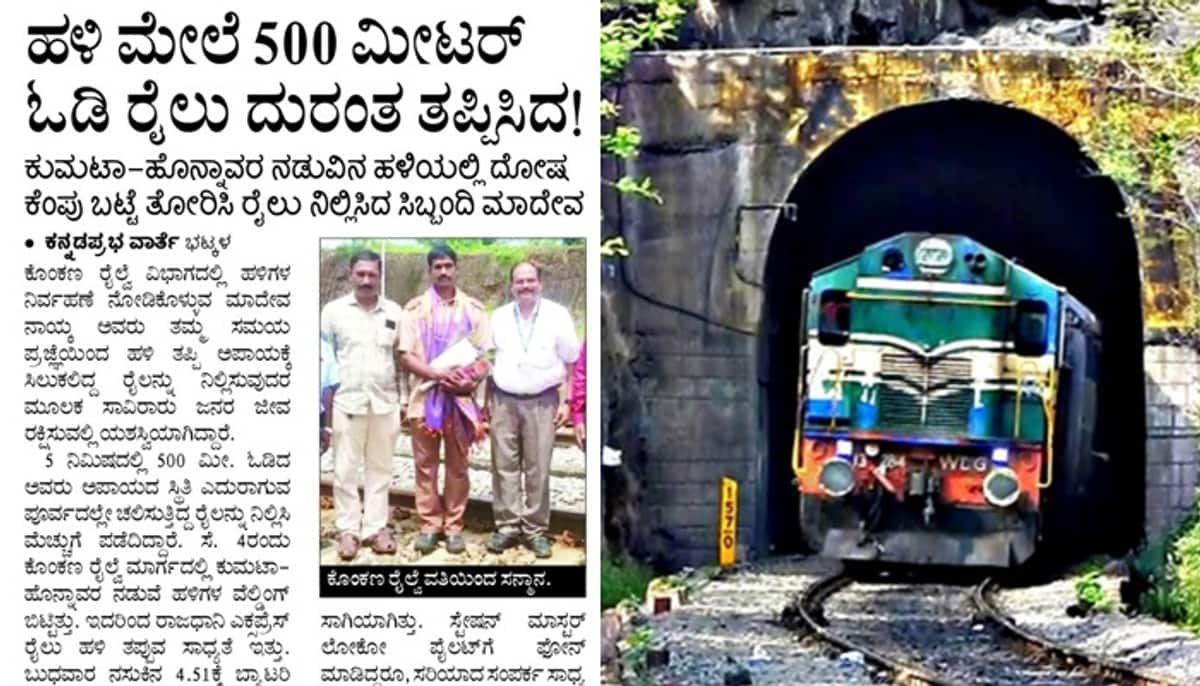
1013,181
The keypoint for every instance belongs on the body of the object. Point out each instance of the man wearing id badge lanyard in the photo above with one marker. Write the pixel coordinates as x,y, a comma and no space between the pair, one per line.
362,329
536,346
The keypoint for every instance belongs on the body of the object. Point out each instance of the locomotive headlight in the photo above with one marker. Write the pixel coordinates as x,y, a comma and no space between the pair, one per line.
1000,488
836,477
1000,457
845,448
871,449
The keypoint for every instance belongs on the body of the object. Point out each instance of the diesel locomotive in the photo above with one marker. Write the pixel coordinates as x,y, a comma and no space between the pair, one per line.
947,408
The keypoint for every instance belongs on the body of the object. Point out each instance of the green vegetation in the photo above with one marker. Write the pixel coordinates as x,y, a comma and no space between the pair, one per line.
484,272
627,26
1187,571
1148,140
1166,570
633,25
672,582
622,579
506,252
1148,135
1090,594
635,658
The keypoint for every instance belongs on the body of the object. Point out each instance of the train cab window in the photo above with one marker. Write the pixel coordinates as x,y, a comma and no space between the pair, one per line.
893,261
1031,327
833,325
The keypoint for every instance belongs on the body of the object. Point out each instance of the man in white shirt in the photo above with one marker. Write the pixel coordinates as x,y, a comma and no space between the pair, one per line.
535,348
362,327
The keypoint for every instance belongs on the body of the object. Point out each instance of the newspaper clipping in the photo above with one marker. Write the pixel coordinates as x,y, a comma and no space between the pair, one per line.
301,299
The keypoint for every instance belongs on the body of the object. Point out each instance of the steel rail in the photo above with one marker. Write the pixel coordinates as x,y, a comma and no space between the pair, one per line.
1045,649
1038,648
810,613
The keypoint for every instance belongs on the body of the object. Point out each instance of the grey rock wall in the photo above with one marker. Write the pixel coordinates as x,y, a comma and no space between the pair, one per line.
812,23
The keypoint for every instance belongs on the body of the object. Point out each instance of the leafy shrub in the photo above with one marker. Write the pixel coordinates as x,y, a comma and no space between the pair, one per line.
622,579
1166,572
1164,603
1090,594
635,659
1187,572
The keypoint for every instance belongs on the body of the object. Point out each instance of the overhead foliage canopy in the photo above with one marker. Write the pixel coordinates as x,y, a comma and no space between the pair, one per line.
627,26
1148,138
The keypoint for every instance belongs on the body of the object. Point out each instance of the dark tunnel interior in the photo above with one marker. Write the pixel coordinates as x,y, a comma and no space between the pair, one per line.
1011,180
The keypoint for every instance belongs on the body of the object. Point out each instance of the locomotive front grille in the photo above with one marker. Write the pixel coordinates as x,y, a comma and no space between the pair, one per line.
899,410
939,372
950,412
919,397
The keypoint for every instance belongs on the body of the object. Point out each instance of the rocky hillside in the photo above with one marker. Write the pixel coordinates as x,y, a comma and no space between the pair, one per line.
801,23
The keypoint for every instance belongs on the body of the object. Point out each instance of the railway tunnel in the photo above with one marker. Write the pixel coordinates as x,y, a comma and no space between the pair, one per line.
1013,181
866,144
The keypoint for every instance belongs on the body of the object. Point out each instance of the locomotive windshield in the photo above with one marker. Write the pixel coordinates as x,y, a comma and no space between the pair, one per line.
1032,327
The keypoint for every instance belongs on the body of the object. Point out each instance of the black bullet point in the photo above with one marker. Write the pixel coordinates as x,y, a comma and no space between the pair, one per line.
28,242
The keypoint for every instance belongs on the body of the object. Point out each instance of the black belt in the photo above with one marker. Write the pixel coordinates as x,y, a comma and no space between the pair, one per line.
526,396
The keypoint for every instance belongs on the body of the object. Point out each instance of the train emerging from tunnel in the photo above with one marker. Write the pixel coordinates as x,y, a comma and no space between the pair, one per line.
947,408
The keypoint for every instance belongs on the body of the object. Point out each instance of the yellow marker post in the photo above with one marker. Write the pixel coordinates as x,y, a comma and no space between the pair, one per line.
727,524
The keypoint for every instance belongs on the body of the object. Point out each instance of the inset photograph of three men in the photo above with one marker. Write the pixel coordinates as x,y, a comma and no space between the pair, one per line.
452,414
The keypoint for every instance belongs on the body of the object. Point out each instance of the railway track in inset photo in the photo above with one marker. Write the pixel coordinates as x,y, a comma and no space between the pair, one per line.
945,635
567,512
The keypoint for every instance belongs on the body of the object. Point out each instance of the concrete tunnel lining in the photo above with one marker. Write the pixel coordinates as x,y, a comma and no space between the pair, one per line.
1012,180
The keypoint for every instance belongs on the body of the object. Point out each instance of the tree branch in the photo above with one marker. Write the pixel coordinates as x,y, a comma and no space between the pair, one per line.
1146,83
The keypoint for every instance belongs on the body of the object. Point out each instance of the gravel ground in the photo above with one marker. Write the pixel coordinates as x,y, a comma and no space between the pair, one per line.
934,626
728,627
567,486
1147,644
564,550
728,633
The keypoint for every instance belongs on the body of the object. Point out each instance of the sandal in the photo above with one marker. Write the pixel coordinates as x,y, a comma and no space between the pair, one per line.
382,542
347,546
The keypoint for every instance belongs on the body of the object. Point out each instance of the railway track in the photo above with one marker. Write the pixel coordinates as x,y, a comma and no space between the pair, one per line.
946,635
479,512
567,486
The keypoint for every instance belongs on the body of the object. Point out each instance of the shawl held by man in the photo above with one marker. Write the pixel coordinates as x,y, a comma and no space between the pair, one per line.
441,326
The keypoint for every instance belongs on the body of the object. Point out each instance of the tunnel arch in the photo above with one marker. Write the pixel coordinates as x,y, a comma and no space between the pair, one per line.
1014,181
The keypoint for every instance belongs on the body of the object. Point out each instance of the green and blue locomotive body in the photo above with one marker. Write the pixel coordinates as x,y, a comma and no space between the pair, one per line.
947,402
